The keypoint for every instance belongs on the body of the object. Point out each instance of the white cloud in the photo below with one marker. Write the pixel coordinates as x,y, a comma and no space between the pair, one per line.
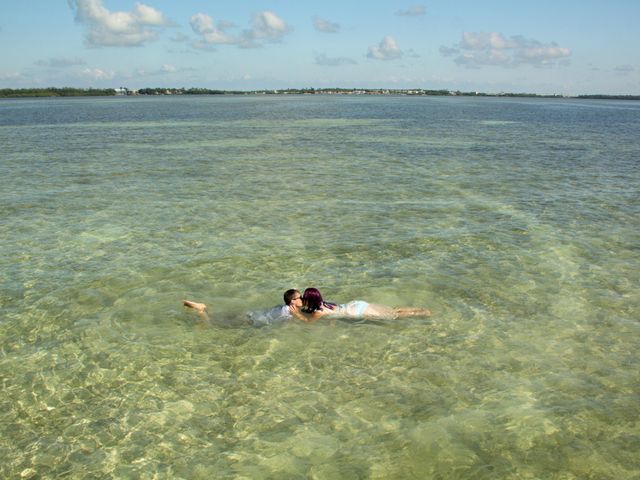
483,41
60,62
124,29
203,25
412,11
543,54
325,26
13,76
386,50
478,49
164,70
266,27
148,15
98,74
322,59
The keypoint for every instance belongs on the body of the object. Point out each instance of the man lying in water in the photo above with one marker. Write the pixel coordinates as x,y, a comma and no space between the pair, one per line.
260,318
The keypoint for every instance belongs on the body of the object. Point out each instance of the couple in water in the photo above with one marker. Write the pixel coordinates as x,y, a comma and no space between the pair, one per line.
310,307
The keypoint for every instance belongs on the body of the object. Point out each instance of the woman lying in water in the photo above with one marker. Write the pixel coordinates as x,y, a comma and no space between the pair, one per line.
314,307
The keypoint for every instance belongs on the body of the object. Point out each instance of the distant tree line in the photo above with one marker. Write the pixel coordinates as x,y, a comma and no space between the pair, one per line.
56,92
610,97
92,92
185,91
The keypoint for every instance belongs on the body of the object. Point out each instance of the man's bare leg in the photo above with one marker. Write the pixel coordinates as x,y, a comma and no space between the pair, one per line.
200,308
412,312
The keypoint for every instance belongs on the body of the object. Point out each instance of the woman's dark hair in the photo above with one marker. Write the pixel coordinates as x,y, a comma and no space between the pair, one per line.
312,300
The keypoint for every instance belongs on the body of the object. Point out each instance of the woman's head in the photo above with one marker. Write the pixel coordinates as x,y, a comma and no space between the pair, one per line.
312,299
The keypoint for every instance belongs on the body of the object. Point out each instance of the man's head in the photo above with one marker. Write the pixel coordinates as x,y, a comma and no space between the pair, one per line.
292,297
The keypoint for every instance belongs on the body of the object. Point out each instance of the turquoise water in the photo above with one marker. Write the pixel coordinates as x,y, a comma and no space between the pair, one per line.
515,221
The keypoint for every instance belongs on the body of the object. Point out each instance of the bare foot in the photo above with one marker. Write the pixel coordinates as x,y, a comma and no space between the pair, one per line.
201,308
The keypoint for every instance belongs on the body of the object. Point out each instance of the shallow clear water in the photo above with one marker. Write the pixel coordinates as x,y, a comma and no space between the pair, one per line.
515,221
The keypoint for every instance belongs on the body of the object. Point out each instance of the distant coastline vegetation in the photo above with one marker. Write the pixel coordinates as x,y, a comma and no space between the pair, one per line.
56,92
101,92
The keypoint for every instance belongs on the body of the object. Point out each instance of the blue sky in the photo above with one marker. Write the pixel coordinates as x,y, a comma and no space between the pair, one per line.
559,46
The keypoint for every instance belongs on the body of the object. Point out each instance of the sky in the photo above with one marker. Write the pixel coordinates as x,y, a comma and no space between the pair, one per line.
567,47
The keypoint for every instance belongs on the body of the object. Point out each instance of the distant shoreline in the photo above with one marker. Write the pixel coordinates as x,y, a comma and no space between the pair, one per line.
93,92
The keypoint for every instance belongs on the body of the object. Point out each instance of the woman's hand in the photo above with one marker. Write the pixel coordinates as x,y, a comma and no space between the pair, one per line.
296,311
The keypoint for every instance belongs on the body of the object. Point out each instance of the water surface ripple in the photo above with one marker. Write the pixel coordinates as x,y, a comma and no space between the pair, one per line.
515,221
